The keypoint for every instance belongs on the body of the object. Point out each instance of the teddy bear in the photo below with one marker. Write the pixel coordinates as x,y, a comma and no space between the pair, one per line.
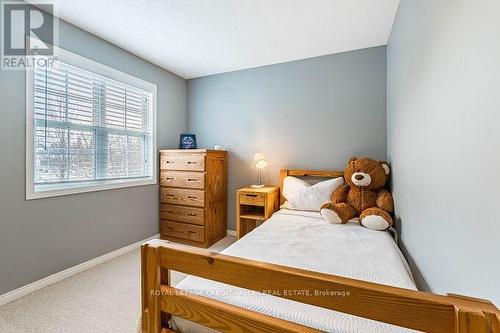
362,195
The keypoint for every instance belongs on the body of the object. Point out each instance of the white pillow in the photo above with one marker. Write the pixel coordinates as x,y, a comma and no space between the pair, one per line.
301,195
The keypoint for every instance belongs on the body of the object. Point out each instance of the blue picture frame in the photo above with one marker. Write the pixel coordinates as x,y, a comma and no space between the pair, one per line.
187,141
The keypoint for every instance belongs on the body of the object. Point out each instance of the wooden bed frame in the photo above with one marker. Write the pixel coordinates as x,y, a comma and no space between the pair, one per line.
417,310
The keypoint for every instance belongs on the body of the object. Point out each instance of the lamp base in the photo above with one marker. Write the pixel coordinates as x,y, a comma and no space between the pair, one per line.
257,185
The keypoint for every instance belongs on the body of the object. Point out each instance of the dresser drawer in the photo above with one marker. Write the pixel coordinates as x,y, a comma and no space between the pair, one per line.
182,214
182,230
181,196
195,162
252,199
182,179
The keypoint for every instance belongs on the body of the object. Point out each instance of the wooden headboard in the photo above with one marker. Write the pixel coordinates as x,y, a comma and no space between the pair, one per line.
306,173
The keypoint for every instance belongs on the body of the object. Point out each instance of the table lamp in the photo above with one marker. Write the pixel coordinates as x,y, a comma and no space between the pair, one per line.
260,163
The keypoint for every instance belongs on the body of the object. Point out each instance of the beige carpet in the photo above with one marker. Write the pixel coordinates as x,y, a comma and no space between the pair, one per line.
102,299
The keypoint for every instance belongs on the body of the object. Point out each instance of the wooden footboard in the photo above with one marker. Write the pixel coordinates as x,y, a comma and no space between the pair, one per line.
402,307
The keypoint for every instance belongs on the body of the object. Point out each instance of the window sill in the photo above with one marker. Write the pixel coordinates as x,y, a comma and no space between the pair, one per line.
54,190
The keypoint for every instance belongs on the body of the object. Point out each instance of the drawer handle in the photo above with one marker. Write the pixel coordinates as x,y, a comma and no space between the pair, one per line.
170,178
170,161
251,195
169,195
191,197
192,232
190,162
180,213
192,179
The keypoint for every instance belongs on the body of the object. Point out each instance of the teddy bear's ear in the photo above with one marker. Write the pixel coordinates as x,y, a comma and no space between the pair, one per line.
385,165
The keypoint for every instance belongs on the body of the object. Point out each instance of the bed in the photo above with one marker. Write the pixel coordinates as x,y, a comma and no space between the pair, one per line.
303,240
296,273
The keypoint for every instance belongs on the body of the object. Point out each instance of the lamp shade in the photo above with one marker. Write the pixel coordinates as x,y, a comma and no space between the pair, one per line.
260,161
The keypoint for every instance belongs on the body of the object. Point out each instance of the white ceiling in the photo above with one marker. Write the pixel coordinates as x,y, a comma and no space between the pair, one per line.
195,38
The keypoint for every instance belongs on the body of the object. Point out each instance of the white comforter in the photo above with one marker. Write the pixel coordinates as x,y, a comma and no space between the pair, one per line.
304,240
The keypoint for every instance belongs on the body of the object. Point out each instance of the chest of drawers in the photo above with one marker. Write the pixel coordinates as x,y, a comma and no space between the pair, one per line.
193,196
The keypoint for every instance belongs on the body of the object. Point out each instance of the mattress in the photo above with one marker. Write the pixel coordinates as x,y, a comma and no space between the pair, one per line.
303,240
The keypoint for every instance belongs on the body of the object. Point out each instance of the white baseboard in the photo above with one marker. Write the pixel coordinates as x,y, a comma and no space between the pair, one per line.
45,282
231,233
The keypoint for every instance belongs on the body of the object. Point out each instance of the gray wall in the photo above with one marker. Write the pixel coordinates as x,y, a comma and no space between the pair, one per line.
42,237
312,113
443,142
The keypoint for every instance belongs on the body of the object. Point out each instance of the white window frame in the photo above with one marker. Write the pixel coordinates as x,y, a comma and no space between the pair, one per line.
51,190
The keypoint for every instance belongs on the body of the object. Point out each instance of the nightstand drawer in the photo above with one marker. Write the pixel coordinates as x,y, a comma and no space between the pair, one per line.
256,199
182,196
182,214
182,179
182,230
183,162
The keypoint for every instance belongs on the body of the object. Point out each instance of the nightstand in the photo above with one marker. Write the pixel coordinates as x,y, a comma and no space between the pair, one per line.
254,205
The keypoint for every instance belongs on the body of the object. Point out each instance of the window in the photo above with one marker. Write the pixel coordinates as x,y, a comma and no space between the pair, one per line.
89,127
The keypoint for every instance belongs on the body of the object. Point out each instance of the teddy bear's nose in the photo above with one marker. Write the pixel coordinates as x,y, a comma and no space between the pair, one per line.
359,177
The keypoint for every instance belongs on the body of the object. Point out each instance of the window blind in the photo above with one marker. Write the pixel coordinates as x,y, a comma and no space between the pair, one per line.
88,127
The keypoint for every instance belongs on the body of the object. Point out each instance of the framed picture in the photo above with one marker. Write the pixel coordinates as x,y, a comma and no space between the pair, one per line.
187,141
